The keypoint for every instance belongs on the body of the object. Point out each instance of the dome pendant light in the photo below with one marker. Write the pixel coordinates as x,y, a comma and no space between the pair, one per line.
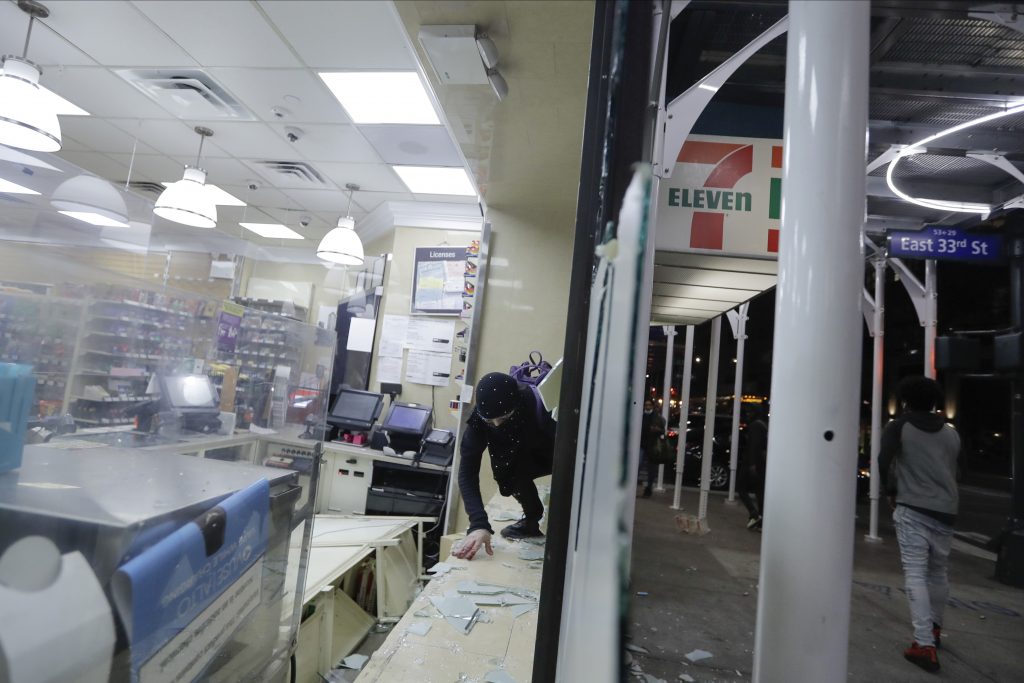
342,245
27,119
187,201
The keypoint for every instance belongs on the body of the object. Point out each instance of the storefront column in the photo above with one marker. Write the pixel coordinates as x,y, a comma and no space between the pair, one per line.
803,616
666,391
684,414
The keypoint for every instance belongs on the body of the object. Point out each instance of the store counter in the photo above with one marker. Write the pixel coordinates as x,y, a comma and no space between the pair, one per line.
502,637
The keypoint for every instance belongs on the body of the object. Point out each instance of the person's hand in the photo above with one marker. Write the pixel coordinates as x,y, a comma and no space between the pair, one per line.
471,544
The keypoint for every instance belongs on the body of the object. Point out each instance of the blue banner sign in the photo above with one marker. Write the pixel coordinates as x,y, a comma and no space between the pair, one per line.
946,244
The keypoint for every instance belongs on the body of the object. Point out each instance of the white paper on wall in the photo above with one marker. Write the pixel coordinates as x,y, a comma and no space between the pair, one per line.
431,335
393,335
360,334
427,367
389,370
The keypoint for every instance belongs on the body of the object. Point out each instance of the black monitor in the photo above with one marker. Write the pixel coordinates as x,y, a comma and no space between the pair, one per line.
408,420
355,410
189,394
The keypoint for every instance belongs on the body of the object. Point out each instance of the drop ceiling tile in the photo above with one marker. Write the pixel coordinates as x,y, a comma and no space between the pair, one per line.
153,167
446,198
262,197
116,34
300,92
46,47
320,200
361,34
248,140
227,171
101,93
100,164
101,136
369,201
370,177
173,138
250,41
339,143
413,145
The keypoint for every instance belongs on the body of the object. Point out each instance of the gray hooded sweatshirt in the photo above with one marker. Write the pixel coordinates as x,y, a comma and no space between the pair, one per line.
925,449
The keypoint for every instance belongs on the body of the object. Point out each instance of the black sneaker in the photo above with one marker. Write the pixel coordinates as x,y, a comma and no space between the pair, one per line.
524,528
647,492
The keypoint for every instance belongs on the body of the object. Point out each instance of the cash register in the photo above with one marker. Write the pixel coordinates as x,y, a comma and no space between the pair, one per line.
191,401
353,414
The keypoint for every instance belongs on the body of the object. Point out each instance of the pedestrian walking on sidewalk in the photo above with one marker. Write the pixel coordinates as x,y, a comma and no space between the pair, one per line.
652,428
917,462
750,476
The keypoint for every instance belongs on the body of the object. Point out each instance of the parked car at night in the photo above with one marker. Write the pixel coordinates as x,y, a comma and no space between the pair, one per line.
719,479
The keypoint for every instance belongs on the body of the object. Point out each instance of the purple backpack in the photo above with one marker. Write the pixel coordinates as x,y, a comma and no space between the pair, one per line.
531,371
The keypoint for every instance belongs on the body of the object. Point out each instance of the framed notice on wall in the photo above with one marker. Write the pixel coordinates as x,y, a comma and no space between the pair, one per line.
439,278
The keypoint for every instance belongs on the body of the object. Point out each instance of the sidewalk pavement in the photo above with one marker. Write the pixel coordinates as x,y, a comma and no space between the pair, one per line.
701,594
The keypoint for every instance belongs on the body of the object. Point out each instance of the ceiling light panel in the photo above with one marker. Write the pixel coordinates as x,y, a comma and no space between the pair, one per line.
94,219
436,180
382,97
272,231
7,187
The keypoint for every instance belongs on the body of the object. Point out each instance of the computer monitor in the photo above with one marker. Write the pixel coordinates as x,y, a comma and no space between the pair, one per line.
355,410
189,393
408,422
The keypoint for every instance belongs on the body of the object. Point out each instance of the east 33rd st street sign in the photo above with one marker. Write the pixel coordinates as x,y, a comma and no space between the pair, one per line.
948,244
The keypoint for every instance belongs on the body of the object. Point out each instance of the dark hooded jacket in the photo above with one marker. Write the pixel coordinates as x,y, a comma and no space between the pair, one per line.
521,447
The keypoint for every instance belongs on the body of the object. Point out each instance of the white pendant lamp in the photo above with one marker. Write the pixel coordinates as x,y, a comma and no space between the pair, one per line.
187,201
342,245
91,199
27,118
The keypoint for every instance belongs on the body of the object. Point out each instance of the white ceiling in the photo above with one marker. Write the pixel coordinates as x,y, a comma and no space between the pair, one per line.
265,55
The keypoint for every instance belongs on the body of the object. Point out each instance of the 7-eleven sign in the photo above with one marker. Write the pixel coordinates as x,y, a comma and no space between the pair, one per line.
725,197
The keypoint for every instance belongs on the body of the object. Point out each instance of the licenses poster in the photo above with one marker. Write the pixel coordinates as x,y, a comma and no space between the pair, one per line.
438,280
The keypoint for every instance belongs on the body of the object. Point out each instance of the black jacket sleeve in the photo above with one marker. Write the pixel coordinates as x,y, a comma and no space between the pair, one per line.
471,452
889,449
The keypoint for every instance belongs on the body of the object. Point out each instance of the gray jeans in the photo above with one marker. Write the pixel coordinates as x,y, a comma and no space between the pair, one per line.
924,551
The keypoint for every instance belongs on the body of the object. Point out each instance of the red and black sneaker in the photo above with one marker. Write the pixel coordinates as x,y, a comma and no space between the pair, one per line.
937,635
922,655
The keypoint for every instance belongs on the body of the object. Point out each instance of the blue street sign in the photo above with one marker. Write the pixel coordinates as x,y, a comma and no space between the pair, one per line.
946,244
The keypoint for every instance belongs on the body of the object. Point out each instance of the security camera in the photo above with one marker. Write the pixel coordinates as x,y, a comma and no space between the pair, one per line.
304,221
253,187
292,133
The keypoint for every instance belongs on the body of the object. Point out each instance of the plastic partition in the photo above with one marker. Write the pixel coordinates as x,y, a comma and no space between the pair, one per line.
145,524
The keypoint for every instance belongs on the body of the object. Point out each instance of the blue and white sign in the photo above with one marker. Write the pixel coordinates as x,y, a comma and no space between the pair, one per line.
946,244
183,598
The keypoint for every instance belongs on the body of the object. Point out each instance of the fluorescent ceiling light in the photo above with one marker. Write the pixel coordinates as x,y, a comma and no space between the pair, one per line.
436,180
382,97
59,105
7,187
94,219
272,230
217,196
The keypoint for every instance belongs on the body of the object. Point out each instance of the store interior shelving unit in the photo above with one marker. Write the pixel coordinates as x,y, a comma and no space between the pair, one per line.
126,335
40,331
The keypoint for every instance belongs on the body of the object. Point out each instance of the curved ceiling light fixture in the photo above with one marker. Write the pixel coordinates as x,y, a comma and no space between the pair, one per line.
188,201
92,200
27,117
919,148
342,245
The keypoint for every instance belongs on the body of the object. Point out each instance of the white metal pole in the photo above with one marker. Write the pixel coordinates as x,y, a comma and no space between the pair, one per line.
803,615
710,406
876,395
737,392
684,414
666,391
931,316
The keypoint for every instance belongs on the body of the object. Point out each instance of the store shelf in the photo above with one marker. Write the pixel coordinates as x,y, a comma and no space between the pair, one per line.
145,307
110,422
